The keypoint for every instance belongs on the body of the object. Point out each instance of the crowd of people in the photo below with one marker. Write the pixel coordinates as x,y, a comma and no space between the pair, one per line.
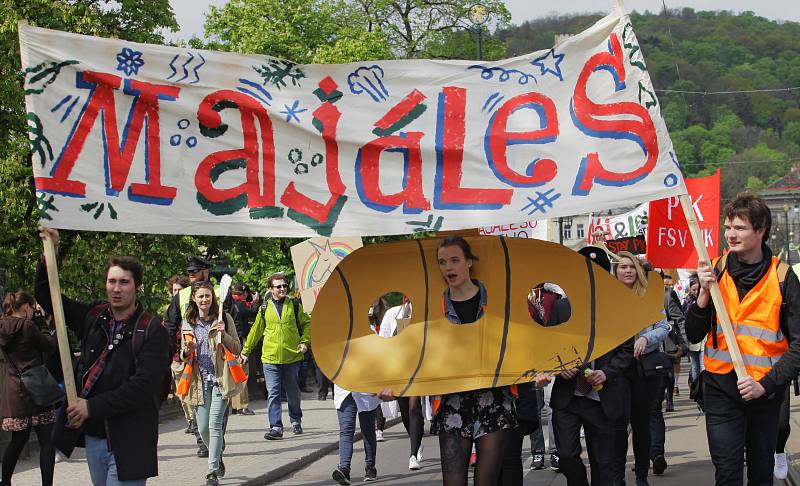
210,342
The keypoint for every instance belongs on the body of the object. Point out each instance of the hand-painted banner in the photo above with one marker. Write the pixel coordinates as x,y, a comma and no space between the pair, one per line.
528,229
669,242
626,225
148,138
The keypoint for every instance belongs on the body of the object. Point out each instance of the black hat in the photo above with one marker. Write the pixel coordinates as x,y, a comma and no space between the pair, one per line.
597,255
241,287
195,263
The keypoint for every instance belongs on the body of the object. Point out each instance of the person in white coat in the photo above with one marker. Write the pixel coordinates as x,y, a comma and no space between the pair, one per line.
350,405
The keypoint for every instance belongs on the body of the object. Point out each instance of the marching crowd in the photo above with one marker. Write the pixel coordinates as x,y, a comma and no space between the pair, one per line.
209,343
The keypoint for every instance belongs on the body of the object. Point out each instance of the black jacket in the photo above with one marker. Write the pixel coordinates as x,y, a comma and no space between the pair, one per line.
615,394
676,338
698,324
123,404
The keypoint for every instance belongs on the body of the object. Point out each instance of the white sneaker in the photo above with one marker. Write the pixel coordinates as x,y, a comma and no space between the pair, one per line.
419,453
413,463
60,457
781,466
379,435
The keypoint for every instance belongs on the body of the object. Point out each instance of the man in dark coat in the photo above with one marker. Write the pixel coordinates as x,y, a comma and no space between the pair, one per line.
119,376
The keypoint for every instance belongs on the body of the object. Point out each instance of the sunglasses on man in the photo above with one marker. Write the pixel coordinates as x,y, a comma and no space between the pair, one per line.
282,286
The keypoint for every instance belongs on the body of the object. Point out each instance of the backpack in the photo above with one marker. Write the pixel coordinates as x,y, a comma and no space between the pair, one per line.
141,330
782,270
295,307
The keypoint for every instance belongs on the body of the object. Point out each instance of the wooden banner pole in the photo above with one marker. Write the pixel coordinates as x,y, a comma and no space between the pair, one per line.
716,293
58,315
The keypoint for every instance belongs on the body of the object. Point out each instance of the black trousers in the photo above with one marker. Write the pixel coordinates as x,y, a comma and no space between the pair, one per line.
599,431
644,391
657,426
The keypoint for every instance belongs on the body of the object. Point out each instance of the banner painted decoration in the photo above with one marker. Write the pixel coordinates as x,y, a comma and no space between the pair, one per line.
314,261
669,242
626,225
148,138
528,229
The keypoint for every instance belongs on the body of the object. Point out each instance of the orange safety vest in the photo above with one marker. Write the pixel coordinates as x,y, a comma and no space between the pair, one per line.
234,367
756,323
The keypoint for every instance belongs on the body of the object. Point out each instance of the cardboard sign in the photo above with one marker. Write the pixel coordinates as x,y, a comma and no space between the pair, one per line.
432,356
314,261
626,225
669,243
159,139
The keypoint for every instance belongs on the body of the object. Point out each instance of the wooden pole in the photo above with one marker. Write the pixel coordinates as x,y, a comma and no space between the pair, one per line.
716,293
58,315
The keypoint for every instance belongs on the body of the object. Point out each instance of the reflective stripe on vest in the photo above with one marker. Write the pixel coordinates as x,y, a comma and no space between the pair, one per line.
756,320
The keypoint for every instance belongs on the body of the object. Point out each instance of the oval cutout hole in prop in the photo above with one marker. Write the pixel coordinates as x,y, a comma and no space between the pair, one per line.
548,305
390,314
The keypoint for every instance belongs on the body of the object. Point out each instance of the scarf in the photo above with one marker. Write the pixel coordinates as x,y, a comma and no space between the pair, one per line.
747,275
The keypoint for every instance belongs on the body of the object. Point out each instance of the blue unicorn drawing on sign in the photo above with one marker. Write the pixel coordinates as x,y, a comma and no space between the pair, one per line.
326,261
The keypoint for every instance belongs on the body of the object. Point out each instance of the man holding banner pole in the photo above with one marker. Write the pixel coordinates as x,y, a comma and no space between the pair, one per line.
762,297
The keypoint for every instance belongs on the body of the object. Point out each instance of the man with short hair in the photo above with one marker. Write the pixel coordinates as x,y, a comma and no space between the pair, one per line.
762,297
124,358
286,331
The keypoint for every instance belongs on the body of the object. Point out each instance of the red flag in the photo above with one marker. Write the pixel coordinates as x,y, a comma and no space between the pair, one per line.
669,243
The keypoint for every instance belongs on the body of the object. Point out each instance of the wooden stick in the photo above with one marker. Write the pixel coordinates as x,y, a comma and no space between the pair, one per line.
58,315
716,293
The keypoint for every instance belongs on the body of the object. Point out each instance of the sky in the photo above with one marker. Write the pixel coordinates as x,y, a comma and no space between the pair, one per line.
191,13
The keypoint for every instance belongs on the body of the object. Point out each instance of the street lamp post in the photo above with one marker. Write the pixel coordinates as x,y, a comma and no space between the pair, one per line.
787,235
478,15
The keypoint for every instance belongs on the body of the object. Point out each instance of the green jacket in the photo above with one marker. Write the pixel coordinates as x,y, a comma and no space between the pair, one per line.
281,336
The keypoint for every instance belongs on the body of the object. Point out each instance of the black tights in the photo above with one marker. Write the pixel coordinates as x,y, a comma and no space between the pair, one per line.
784,429
411,412
47,458
455,451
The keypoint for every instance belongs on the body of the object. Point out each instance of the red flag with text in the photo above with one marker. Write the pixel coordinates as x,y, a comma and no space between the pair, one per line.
669,242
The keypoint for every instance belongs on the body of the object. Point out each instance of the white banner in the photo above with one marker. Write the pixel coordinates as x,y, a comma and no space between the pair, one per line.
625,225
147,138
528,229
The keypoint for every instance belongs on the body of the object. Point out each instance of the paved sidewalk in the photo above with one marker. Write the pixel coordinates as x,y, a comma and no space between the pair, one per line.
249,459
793,444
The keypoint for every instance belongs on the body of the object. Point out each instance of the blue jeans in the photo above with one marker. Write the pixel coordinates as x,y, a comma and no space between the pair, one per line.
210,417
103,466
537,436
285,374
696,359
347,427
735,428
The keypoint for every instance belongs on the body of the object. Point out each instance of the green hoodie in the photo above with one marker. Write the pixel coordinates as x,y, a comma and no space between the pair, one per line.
281,336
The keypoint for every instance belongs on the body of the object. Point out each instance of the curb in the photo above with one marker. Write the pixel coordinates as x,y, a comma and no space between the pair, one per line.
301,462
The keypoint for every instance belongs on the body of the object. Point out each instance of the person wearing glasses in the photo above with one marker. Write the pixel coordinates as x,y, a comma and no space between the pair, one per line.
287,331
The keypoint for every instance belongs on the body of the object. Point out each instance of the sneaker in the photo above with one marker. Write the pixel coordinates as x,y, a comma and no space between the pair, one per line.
202,451
419,453
676,392
642,481
538,461
273,434
371,474
221,470
190,427
341,476
413,463
379,435
211,479
781,469
297,429
246,411
554,461
234,411
322,396
60,457
659,464
473,459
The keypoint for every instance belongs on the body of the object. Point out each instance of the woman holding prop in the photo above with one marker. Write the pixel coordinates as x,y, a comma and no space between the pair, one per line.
212,373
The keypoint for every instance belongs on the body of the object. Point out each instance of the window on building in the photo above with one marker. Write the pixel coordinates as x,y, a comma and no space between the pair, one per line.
567,233
581,232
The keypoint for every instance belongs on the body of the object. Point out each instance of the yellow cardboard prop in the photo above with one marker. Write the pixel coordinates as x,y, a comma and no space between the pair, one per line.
433,356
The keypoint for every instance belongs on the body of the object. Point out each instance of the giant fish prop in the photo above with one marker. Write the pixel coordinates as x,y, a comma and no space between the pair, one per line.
433,356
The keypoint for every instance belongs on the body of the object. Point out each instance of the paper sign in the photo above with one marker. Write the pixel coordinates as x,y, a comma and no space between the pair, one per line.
314,261
159,139
528,229
626,225
669,242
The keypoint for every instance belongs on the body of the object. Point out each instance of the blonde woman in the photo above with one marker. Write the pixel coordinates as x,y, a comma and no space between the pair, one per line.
209,378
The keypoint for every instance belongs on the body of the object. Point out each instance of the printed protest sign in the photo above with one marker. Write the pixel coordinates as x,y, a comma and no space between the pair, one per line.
528,229
626,225
314,261
159,139
634,244
669,243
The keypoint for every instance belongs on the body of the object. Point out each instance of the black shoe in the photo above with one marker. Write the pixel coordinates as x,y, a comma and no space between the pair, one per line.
273,434
221,470
371,474
211,479
202,451
234,411
659,464
297,429
246,411
306,389
341,476
322,397
642,481
190,427
670,407
554,461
